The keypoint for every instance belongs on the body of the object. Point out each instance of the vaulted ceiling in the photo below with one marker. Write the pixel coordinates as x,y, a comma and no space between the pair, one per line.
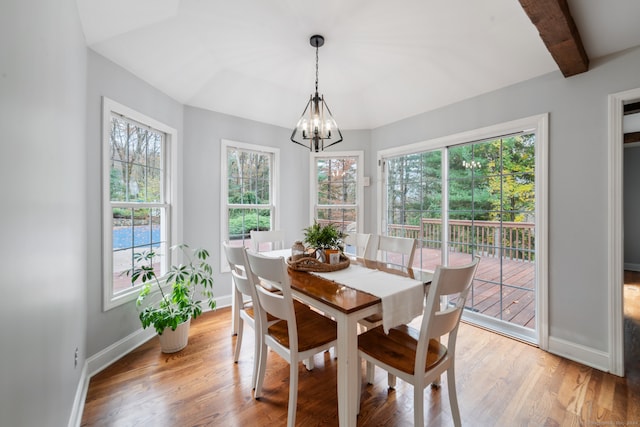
382,61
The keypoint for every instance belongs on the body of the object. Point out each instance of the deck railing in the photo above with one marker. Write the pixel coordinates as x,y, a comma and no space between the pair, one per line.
511,240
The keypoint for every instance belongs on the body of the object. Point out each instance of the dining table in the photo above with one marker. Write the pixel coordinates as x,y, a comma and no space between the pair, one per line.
347,305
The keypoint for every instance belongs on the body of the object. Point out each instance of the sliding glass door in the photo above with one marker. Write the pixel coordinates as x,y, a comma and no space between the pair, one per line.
491,213
472,197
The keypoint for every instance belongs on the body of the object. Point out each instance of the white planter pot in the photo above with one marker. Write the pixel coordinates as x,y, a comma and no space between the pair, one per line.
173,341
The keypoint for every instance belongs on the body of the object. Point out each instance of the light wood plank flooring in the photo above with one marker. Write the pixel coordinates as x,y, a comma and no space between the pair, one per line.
501,382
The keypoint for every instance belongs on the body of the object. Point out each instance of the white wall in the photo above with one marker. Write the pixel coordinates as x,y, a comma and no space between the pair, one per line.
104,78
43,217
578,180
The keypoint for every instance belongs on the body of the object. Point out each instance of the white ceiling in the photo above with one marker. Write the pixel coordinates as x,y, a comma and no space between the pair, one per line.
382,61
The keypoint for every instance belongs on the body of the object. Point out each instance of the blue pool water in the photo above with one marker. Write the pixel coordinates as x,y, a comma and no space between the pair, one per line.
142,235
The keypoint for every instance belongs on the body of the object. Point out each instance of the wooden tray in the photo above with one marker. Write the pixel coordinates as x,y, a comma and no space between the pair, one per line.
307,263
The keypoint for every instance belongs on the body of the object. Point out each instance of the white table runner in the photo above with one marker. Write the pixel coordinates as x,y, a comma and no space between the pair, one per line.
402,297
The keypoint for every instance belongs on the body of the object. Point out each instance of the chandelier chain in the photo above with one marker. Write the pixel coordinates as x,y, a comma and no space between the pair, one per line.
316,69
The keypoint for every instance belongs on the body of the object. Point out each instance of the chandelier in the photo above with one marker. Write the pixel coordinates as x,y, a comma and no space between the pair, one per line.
317,125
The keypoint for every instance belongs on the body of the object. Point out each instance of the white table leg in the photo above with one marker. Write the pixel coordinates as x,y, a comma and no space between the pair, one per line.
348,387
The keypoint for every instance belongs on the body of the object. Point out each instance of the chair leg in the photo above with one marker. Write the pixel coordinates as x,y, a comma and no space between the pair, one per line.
257,349
236,355
370,372
418,405
453,397
309,363
293,392
391,380
262,365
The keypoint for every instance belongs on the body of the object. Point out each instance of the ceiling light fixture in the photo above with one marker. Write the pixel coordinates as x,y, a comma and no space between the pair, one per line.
316,125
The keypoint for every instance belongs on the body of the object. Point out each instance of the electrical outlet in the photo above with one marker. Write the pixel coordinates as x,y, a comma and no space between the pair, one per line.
75,359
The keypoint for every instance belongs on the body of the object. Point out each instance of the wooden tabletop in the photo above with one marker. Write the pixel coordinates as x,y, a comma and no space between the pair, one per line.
341,297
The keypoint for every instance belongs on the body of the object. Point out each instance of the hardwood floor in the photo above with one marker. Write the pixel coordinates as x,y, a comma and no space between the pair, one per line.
501,382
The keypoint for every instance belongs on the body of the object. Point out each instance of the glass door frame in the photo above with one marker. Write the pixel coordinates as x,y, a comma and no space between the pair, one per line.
535,124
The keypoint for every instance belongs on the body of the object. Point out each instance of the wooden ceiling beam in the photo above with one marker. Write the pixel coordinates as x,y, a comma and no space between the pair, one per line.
559,33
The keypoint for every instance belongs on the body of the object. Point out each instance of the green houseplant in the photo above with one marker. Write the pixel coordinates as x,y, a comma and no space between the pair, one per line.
173,305
323,238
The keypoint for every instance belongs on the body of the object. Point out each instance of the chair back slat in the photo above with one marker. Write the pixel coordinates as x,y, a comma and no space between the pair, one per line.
403,246
259,238
273,303
360,241
243,278
243,283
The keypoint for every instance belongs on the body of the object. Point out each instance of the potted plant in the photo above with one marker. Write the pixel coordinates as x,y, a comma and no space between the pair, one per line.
169,302
324,238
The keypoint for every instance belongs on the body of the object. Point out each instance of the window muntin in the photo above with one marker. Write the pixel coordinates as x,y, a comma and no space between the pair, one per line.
136,196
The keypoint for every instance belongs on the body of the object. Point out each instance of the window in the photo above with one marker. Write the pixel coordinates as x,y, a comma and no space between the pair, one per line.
136,196
478,193
336,190
249,191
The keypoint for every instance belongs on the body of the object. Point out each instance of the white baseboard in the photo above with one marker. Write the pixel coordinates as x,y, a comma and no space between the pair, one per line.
78,402
117,350
109,355
631,267
578,353
222,302
106,357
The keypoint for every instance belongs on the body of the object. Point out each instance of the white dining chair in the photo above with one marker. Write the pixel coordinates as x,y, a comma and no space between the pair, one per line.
267,240
390,248
299,334
359,242
396,250
245,300
247,305
417,356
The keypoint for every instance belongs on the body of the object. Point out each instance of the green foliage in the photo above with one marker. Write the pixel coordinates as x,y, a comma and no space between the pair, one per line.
241,225
324,237
116,185
248,197
126,213
185,280
488,180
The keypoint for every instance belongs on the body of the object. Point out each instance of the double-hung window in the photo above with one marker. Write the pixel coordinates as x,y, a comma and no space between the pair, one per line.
249,191
336,189
137,208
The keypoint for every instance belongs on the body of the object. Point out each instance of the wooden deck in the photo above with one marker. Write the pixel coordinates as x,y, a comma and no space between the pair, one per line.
517,287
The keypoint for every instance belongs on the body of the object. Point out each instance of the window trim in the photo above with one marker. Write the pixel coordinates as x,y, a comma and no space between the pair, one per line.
109,107
538,124
313,183
224,190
